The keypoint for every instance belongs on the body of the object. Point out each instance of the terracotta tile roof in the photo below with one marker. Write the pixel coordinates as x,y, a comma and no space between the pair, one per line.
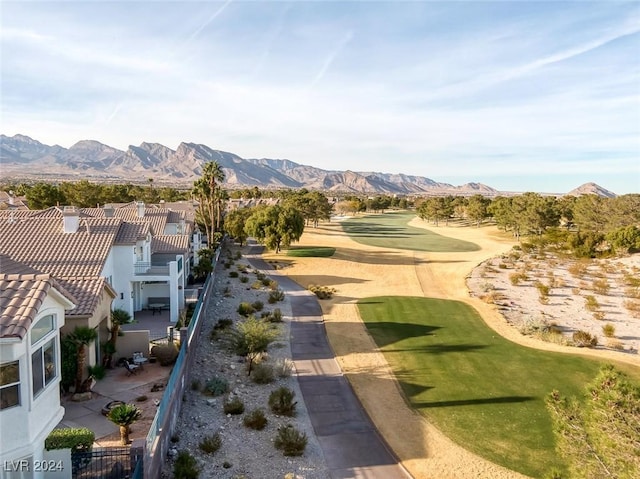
18,202
87,292
9,266
21,296
42,244
129,233
16,214
155,217
170,244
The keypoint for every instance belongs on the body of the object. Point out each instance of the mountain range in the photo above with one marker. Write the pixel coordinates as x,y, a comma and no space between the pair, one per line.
24,157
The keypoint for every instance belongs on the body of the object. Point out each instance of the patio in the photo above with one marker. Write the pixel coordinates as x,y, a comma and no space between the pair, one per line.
156,322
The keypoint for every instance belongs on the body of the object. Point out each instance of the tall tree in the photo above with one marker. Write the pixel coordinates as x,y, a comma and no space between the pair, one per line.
205,189
275,226
43,195
599,436
118,318
234,223
477,209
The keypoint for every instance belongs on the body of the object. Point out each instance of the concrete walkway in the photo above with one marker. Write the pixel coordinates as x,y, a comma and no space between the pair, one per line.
351,444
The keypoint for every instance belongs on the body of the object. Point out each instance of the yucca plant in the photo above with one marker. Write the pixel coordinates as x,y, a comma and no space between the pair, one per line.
124,415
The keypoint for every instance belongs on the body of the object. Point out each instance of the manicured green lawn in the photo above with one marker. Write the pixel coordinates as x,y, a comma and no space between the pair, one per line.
310,251
390,230
482,391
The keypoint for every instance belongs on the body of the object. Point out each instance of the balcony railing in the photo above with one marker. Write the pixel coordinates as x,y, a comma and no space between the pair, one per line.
144,267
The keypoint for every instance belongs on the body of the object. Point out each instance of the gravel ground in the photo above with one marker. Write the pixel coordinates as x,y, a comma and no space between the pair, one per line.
244,453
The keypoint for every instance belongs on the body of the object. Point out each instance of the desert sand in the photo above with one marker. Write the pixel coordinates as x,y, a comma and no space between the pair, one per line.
357,271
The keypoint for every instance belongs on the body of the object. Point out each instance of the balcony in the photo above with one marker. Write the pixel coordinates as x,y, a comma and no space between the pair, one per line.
157,269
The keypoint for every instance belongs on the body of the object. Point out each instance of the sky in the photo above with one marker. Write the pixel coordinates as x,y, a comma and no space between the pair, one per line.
519,95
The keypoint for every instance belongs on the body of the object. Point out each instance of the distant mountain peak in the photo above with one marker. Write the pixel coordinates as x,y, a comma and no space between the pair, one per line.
591,189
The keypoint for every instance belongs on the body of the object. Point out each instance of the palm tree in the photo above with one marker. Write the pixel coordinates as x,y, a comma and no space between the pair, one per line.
118,318
124,415
206,189
81,336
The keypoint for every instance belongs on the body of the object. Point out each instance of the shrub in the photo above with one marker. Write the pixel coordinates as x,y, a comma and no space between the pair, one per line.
633,307
256,285
210,444
591,303
233,406
245,309
233,274
74,438
290,441
255,420
584,339
238,254
322,292
486,287
517,278
531,326
263,374
250,338
599,315
283,367
257,305
578,269
274,316
223,323
542,288
244,278
502,266
165,353
614,344
260,275
216,386
275,296
186,466
609,330
98,371
266,281
281,401
601,286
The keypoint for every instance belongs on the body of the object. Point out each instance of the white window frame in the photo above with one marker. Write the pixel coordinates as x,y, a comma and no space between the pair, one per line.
46,342
11,385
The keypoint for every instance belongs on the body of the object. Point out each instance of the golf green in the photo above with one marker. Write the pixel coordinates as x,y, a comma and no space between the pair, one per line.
483,391
391,230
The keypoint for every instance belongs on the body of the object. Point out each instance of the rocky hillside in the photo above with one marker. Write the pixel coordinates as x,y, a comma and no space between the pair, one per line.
591,189
23,157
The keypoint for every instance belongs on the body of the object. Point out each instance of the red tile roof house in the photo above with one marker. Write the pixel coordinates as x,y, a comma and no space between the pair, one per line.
32,311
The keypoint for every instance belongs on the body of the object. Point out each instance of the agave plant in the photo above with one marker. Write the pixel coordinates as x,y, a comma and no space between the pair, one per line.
124,415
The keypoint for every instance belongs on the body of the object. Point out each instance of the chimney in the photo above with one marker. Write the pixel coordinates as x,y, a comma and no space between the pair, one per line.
108,211
140,206
162,203
71,219
11,198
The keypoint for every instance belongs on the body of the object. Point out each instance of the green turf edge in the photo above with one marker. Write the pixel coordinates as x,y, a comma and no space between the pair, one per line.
311,251
483,391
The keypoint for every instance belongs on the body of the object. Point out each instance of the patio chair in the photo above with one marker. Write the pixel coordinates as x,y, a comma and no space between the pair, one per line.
131,368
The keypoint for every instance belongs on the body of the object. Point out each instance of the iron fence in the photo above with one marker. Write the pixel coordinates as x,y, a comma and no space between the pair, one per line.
105,463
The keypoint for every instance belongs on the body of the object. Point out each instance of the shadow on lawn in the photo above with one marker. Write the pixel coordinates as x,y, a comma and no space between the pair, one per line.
474,402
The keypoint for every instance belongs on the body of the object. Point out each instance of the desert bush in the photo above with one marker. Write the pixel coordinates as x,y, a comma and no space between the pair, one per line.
517,278
503,266
233,274
256,285
631,280
227,292
244,278
601,286
245,308
531,326
216,386
632,292
257,305
543,289
255,419
223,323
633,307
584,339
165,353
322,292
598,315
609,330
238,254
486,287
266,281
260,275
552,336
281,401
575,291
492,297
290,441
275,296
186,466
615,344
275,316
242,268
578,269
210,444
283,367
227,265
591,303
250,338
263,373
233,405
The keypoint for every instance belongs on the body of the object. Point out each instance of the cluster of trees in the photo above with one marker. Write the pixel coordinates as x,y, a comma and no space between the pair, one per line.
599,434
212,200
587,225
86,194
